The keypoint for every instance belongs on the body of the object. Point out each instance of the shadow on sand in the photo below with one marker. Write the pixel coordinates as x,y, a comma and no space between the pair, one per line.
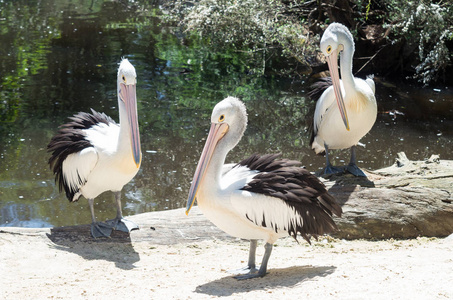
78,240
286,277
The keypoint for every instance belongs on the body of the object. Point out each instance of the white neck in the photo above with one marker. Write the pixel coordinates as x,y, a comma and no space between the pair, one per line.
346,65
213,176
124,137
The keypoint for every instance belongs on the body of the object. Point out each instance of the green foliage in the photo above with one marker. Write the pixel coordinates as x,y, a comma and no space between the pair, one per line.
368,7
427,26
262,29
269,29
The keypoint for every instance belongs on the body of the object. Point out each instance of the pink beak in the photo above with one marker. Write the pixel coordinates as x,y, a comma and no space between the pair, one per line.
128,96
216,133
332,62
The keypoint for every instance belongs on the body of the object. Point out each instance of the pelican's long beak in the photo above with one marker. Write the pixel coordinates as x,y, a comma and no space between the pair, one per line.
332,62
128,96
216,133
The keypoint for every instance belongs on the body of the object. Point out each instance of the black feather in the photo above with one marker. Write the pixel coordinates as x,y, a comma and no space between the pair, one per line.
299,189
316,90
71,139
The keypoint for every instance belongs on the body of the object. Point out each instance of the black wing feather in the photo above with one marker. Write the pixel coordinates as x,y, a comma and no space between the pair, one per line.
317,88
315,93
70,139
298,188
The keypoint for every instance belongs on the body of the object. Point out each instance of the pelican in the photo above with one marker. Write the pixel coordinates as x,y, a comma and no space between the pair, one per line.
346,110
93,154
261,197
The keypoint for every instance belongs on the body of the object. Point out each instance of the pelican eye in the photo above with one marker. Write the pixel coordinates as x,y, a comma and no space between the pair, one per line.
329,49
222,118
124,78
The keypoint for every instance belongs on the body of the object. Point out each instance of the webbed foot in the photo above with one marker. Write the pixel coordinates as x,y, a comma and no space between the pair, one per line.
244,270
250,275
99,229
354,170
333,170
122,225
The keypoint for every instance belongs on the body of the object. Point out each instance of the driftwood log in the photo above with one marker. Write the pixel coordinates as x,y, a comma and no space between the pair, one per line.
406,200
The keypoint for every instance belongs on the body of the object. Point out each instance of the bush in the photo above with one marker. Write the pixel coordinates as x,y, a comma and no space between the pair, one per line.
272,28
429,27
264,28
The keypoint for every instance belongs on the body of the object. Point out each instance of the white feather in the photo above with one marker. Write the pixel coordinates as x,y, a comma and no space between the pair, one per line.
237,212
328,124
370,81
226,168
275,213
257,207
236,178
325,102
104,167
104,137
77,167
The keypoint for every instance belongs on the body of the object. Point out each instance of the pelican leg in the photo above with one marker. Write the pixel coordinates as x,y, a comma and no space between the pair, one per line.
263,268
119,223
251,266
98,229
329,168
352,167
252,254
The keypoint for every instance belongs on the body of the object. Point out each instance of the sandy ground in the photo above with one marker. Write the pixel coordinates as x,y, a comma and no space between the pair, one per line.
33,267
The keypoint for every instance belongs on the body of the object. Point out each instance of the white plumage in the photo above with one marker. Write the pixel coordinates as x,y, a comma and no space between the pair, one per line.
328,124
92,154
261,197
347,110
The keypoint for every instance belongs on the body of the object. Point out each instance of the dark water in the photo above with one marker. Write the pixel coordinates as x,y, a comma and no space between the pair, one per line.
58,58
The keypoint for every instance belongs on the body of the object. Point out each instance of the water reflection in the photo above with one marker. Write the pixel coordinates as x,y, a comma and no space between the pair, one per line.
21,215
64,60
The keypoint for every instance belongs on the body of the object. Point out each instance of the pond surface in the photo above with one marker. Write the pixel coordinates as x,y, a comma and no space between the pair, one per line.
59,58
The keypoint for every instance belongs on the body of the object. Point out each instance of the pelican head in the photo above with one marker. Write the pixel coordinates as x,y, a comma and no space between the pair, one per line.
228,123
127,99
334,40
